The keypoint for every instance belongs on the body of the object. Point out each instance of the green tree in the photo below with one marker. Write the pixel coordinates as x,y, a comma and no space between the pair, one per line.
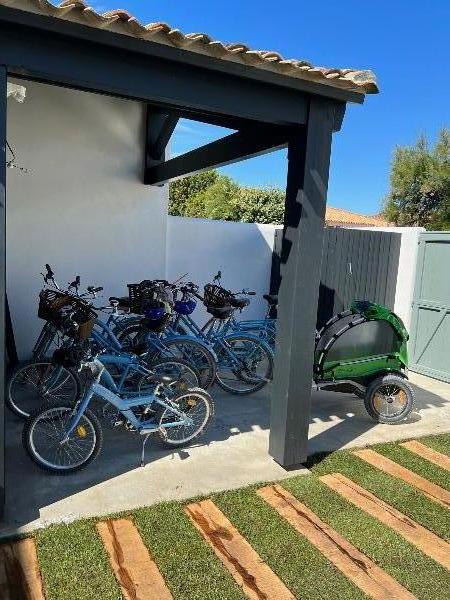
420,184
261,205
210,195
182,190
218,201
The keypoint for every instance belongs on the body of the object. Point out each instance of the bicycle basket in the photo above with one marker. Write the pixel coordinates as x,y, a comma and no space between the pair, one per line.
141,294
70,315
216,296
50,304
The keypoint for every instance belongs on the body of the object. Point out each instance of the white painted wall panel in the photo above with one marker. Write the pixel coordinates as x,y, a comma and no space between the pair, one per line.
242,251
83,207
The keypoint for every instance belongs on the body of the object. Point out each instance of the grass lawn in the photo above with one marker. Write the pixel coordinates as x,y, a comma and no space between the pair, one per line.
74,564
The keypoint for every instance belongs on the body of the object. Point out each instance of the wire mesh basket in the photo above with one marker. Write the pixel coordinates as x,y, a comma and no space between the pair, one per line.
70,315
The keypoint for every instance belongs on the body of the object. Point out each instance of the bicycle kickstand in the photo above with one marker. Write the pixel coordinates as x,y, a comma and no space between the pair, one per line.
144,441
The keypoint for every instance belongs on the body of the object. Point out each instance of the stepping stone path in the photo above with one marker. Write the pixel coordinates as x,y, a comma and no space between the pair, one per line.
364,573
431,490
428,453
257,580
20,578
415,534
139,578
135,570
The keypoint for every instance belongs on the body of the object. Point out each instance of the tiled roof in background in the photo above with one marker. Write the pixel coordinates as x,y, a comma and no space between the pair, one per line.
339,216
122,22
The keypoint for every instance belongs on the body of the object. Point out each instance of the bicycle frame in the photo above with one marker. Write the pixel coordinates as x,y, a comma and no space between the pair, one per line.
109,391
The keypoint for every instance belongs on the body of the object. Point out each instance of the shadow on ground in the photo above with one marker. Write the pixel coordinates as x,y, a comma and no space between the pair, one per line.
235,443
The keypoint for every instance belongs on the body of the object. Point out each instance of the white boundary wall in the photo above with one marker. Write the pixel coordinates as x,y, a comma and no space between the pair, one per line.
242,251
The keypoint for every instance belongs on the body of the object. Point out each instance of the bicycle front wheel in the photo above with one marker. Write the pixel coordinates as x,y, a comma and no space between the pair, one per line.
45,440
33,383
245,364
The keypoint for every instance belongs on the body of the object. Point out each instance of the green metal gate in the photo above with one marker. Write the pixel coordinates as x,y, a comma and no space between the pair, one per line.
430,326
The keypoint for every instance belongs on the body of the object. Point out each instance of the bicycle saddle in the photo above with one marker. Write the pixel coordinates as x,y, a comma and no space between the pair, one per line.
124,301
239,302
272,299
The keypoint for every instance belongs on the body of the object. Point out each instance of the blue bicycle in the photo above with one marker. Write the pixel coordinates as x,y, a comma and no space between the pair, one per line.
63,438
244,360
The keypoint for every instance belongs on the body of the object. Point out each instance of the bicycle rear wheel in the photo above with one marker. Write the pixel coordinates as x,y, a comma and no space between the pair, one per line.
196,354
198,406
182,374
245,364
33,383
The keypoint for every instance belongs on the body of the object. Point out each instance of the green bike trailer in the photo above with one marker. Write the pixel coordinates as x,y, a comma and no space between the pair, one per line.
364,351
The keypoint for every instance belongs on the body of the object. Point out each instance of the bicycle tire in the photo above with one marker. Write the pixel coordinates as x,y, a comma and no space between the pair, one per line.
194,382
136,338
164,436
54,469
44,342
195,353
233,385
20,409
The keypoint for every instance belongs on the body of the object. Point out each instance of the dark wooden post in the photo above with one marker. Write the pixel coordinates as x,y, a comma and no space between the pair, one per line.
3,79
301,256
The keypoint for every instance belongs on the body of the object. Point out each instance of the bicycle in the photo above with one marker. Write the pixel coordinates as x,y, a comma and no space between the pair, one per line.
244,361
264,328
153,337
63,438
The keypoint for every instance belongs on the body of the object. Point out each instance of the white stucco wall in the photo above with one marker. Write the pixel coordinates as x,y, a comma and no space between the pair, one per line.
242,251
83,207
406,274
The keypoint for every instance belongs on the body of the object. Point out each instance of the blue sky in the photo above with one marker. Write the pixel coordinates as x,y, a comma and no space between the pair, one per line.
406,43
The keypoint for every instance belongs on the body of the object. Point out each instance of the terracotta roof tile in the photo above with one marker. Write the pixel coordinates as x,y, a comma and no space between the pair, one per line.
339,216
122,22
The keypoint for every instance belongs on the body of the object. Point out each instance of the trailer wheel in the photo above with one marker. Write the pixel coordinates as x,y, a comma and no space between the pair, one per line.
389,399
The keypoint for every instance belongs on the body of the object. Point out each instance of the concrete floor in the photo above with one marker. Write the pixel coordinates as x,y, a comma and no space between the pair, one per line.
233,454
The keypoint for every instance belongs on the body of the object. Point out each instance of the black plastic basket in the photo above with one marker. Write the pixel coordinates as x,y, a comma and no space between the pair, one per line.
216,296
141,294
